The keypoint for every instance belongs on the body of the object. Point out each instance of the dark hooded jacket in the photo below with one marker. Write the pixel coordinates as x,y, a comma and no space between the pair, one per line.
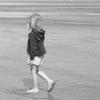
35,45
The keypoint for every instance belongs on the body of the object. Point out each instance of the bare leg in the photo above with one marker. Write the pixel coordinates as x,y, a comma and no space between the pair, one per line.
35,81
45,77
50,82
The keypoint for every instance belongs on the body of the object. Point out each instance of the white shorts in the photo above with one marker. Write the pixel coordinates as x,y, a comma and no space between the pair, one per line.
37,60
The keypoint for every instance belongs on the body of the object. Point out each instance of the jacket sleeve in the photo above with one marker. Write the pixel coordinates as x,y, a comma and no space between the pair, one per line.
33,46
28,47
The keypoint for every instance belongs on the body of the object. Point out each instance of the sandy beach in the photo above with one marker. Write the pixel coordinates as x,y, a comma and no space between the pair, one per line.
72,59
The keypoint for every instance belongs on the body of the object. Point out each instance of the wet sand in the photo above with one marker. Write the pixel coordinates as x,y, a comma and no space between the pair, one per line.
72,60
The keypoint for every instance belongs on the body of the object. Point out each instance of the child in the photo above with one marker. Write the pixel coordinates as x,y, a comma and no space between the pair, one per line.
36,52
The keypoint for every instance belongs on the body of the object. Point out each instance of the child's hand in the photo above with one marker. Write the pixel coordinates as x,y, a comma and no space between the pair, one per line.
28,61
31,62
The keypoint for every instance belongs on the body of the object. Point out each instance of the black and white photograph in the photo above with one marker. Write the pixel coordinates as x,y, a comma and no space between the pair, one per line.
49,49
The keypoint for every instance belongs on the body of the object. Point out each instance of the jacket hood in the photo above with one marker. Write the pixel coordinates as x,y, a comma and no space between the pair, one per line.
39,34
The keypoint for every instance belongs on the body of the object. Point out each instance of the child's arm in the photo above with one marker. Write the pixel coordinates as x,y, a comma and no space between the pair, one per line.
33,46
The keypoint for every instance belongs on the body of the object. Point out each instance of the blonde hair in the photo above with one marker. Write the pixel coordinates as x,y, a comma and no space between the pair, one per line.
35,15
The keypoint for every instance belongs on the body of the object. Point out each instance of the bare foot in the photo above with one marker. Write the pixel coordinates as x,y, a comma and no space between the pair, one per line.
51,86
34,90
